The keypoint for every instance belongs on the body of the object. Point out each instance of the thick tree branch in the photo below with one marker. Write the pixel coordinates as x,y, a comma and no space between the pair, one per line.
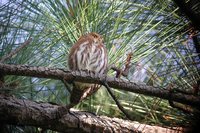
46,72
24,112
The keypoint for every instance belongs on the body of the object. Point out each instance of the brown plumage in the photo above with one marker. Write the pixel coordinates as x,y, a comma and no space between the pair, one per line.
89,54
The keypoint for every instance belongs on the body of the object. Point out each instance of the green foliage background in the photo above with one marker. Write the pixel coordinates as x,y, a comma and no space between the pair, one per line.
153,30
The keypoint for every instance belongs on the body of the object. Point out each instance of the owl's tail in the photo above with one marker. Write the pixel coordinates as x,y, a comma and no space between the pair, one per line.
76,96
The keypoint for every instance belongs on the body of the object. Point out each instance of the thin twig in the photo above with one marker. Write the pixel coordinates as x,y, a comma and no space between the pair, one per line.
1,80
67,86
183,107
180,106
116,101
9,56
118,75
126,69
15,51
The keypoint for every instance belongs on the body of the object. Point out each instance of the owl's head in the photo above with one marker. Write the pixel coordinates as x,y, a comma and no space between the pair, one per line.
96,37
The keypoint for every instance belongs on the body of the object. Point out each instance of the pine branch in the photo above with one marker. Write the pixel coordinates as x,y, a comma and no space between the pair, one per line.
117,102
9,56
124,73
15,51
25,112
60,74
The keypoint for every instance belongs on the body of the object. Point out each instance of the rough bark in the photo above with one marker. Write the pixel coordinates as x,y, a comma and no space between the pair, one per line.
46,72
25,112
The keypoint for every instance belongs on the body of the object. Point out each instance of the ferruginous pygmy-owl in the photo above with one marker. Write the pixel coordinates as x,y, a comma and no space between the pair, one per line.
90,54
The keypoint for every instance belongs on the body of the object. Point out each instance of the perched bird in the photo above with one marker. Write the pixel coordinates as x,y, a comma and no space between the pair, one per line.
87,54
